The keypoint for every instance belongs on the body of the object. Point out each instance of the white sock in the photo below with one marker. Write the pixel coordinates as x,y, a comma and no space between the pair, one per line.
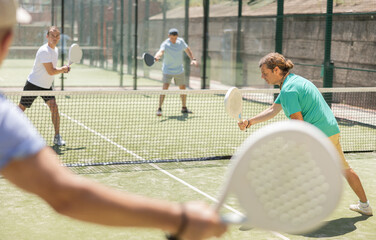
364,205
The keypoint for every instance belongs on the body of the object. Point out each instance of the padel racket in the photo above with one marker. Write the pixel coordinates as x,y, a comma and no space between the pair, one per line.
287,178
234,103
148,59
75,54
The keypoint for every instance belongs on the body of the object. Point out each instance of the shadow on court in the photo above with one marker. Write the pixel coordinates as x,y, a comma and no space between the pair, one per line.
337,227
183,117
60,150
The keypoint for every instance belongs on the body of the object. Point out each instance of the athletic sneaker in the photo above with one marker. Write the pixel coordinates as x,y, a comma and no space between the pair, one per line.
159,112
58,140
363,208
185,110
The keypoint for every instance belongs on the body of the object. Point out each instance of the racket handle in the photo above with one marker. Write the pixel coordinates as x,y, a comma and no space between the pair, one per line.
232,218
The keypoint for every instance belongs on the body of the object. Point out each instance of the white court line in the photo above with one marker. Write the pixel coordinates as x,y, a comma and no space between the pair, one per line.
162,170
151,164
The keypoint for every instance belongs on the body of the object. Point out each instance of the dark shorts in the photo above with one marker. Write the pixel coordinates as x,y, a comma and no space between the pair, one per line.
27,101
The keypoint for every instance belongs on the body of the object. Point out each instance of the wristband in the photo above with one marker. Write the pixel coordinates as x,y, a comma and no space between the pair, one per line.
249,124
183,225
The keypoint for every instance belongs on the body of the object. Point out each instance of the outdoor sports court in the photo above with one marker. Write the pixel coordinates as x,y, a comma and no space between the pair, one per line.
114,136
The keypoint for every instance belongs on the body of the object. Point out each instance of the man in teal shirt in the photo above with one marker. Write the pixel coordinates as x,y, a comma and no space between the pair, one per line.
301,100
172,49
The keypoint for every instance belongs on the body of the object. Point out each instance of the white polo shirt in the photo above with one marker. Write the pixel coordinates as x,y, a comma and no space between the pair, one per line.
39,75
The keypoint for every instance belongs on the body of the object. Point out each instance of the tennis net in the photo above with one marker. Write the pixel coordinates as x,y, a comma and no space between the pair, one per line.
121,127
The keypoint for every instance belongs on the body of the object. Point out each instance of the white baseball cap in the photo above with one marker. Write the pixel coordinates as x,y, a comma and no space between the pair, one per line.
10,14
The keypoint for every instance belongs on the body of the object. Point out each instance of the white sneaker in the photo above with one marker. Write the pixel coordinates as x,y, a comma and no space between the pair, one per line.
159,112
363,208
58,140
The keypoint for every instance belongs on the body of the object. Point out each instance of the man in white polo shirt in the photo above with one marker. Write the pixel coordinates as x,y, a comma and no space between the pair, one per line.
172,49
42,77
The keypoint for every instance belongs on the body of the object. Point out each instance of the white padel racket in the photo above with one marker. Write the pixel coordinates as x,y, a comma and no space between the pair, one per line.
287,178
75,54
234,103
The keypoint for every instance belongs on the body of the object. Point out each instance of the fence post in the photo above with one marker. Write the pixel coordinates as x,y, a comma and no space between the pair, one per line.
205,40
187,62
328,64
239,54
135,44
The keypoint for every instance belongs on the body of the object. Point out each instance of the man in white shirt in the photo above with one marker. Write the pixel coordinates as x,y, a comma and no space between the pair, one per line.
42,77
28,163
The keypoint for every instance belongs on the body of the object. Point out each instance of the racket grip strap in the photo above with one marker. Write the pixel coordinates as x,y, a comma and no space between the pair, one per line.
182,226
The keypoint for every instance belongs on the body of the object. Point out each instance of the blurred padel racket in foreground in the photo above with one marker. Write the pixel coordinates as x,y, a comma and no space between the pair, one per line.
287,178
234,103
75,54
148,59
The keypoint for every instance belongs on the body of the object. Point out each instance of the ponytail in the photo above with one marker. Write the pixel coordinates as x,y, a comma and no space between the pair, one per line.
273,60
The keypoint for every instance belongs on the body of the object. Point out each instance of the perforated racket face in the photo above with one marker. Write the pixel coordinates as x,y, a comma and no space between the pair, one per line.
234,103
287,177
148,59
75,54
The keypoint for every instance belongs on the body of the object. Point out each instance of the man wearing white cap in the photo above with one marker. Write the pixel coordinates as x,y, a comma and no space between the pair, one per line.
27,162
172,49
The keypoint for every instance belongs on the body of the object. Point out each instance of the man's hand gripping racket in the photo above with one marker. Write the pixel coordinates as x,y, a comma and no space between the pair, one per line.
286,176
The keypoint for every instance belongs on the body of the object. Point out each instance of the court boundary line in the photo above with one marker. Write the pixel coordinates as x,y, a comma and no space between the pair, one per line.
163,171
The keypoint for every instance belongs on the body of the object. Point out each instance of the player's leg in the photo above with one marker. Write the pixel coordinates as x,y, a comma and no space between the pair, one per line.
162,97
27,101
180,81
353,180
183,97
166,84
55,116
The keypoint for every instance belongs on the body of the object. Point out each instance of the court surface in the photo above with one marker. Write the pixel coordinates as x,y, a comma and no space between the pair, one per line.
24,216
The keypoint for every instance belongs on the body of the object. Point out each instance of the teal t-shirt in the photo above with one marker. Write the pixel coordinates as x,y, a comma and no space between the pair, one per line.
173,56
300,95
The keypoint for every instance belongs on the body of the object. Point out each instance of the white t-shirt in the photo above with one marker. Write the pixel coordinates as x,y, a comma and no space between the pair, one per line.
173,56
18,137
39,75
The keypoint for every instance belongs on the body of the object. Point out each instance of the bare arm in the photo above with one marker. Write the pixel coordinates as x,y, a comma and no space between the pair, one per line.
159,55
188,51
265,115
82,199
53,71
